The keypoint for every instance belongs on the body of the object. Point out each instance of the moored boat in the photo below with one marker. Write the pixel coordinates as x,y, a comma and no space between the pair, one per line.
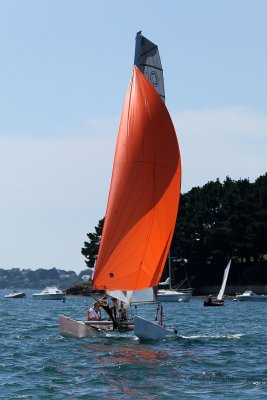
210,302
218,302
172,295
15,295
49,293
249,295
168,293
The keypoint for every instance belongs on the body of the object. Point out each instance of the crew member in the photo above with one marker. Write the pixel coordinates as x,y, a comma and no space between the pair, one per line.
94,312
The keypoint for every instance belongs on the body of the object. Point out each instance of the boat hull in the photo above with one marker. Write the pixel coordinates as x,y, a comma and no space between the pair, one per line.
145,329
256,298
15,295
248,295
213,303
169,296
56,296
69,327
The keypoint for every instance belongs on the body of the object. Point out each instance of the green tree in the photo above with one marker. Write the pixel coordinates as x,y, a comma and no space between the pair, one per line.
90,249
215,222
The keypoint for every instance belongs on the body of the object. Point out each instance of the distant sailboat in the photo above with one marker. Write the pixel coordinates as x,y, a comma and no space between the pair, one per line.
145,188
173,294
219,300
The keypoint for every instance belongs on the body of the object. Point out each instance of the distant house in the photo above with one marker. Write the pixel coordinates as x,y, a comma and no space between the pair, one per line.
86,278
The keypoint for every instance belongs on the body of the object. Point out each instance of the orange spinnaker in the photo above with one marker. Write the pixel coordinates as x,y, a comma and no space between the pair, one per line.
144,193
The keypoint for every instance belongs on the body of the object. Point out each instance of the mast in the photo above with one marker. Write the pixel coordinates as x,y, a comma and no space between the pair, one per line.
170,269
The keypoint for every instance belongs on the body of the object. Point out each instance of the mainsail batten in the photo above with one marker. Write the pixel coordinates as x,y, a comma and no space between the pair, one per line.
144,193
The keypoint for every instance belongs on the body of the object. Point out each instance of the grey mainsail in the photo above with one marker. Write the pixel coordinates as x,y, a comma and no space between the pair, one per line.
147,59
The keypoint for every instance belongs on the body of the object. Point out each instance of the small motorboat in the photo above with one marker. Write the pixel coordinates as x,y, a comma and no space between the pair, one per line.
15,295
49,293
248,295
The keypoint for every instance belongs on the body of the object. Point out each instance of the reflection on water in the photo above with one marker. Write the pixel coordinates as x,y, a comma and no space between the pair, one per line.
137,370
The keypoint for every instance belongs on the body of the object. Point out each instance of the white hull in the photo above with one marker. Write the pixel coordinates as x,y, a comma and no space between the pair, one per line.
81,329
260,298
145,329
49,293
248,295
15,295
173,296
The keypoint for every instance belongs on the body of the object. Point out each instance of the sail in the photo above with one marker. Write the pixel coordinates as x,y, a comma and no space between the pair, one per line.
130,296
225,276
144,193
147,59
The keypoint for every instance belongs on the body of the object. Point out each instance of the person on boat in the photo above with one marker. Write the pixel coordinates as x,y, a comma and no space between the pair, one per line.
123,315
94,312
114,308
210,298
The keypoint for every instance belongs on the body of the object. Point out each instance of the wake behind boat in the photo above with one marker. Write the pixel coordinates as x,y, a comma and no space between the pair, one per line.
49,293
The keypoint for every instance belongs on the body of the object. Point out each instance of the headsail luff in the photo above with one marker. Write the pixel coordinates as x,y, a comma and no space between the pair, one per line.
144,193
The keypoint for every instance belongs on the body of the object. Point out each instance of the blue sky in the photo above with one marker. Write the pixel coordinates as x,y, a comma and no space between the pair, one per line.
65,67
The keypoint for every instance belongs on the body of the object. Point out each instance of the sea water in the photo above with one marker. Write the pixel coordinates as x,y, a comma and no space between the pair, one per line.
220,352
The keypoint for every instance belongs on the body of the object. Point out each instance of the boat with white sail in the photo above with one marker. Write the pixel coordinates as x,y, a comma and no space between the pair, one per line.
143,199
210,302
168,293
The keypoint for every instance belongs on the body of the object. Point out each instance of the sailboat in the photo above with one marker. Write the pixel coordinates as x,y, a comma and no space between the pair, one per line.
169,293
219,300
144,193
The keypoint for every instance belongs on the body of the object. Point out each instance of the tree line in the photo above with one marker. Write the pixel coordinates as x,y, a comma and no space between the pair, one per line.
26,278
215,222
